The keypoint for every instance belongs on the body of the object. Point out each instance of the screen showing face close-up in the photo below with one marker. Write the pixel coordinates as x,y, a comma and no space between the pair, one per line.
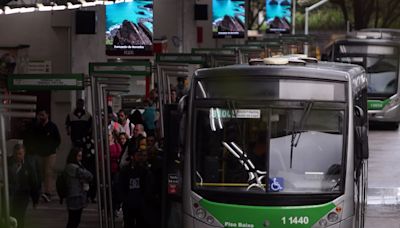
279,15
129,28
228,18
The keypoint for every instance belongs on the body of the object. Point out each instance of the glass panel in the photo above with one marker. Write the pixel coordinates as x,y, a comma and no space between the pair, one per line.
380,63
382,74
306,150
231,149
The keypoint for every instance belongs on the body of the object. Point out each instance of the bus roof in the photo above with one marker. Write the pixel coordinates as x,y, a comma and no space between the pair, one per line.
383,42
321,70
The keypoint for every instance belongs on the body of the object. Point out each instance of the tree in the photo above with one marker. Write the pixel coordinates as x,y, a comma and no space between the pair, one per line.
255,10
370,13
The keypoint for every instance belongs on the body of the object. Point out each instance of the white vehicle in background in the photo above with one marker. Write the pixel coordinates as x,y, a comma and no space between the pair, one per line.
378,51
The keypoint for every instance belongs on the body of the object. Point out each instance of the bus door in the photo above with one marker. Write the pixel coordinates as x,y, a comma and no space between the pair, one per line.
174,74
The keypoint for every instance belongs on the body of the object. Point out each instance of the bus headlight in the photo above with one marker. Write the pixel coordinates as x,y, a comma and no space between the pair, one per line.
393,102
333,217
323,222
210,219
201,213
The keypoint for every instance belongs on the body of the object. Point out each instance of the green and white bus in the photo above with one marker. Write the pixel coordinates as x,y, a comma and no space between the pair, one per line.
381,60
275,146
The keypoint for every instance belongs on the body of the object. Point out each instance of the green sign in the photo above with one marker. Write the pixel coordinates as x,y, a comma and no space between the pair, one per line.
134,68
45,82
181,58
243,46
257,216
377,105
213,51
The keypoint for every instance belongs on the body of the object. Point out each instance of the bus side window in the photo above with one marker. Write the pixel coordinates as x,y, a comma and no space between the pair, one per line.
361,125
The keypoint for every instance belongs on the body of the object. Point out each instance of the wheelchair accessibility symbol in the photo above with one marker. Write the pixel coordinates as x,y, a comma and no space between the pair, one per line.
276,184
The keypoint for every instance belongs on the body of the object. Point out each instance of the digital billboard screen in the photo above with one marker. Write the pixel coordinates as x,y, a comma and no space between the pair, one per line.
228,18
279,15
129,28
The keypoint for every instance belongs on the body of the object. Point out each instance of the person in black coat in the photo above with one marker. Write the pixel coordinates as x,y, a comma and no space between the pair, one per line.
42,140
23,183
132,185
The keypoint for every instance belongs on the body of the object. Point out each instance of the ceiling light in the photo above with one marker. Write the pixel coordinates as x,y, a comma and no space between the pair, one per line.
73,6
128,0
43,7
8,10
108,3
87,4
59,7
27,9
99,2
119,1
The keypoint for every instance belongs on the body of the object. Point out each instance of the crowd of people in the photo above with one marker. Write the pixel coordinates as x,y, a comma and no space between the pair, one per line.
135,161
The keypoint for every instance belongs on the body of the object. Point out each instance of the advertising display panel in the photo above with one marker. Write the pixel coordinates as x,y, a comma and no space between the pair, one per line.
229,18
279,15
129,28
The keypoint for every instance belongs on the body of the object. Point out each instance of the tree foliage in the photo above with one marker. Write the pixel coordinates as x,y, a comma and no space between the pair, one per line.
360,13
370,13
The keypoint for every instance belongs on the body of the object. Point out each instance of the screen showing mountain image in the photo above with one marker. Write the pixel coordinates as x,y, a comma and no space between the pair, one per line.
279,15
228,18
129,28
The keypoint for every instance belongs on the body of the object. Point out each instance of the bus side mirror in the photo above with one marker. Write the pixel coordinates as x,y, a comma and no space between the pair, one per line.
361,133
359,113
362,142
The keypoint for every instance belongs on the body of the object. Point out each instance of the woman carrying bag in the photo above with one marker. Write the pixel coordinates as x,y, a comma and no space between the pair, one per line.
77,180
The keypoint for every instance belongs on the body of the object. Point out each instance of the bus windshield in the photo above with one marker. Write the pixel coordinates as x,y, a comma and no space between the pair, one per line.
380,62
269,147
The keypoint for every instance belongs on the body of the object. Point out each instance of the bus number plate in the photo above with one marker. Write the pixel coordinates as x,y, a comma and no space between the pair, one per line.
295,220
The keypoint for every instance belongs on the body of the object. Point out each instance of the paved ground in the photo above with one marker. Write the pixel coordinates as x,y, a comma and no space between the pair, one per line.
383,195
384,179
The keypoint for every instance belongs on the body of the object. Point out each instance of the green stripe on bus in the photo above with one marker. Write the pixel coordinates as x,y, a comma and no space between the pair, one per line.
257,216
377,105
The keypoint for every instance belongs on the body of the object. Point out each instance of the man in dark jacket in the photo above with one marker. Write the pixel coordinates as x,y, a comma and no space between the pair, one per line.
131,183
79,124
42,141
23,184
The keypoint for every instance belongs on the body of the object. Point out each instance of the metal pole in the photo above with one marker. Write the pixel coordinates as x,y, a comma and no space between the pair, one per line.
19,114
294,18
18,106
306,31
19,98
103,171
5,171
107,155
160,98
95,120
308,9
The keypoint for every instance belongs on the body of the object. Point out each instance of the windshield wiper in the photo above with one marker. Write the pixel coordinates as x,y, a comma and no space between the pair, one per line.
296,133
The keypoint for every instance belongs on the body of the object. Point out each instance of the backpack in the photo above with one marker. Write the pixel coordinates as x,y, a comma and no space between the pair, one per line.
61,186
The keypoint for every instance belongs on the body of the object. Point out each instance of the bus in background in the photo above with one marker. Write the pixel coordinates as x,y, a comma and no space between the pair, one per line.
379,54
279,142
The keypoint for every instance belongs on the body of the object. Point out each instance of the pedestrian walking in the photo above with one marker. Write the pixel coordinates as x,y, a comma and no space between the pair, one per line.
24,184
77,179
